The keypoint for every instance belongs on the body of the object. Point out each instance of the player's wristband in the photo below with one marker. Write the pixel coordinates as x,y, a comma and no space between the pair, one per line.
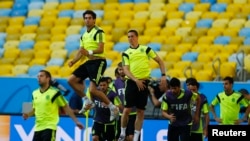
90,52
163,74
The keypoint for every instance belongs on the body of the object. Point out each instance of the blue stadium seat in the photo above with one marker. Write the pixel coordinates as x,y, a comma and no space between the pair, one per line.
35,5
208,1
186,7
246,41
71,46
73,37
125,1
2,36
207,23
1,52
5,12
141,1
218,7
20,5
62,1
32,21
19,12
99,13
33,70
52,0
66,13
78,13
224,40
83,30
245,32
121,46
55,62
155,46
37,1
26,45
2,42
109,62
238,58
155,73
190,56
97,1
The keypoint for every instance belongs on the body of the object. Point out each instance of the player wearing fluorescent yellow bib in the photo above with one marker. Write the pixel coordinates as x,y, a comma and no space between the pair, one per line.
46,103
230,102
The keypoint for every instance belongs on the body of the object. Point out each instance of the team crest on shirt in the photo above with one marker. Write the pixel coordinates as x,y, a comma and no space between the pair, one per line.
233,99
47,97
142,50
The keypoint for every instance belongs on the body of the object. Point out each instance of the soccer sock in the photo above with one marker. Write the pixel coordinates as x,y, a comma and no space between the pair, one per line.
136,135
123,130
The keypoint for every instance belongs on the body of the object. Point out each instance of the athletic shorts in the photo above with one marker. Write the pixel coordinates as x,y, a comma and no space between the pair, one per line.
92,69
45,135
134,97
104,131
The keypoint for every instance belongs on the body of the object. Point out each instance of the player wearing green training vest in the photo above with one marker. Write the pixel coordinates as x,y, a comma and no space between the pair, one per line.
46,103
137,69
230,102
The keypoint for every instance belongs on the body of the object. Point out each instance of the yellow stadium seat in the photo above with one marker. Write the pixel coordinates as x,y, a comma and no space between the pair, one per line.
153,64
183,31
7,61
65,71
189,23
168,31
118,33
28,37
74,29
48,21
233,7
237,40
58,30
225,1
43,37
215,48
161,54
232,32
230,48
202,7
245,8
144,39
21,61
14,29
126,15
77,21
128,6
11,44
6,4
96,6
174,22
142,15
236,23
13,37
122,23
62,21
205,57
247,62
210,15
169,65
111,6
11,53
50,13
240,15
20,69
141,7
53,70
29,29
226,15
111,15
228,69
81,5
17,21
7,71
57,45
158,15
200,48
153,31
59,53
66,6
173,40
4,21
206,40
182,65
223,57
28,53
35,13
220,23
173,56
50,5
158,39
153,6
190,40
240,1
245,49
176,1
170,7
38,61
110,71
183,47
175,14
204,75
193,15
43,30
43,44
167,47
197,66
109,46
174,73
215,32
43,53
58,37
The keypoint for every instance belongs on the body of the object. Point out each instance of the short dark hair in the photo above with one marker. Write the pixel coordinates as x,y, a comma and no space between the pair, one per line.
119,64
192,81
47,73
92,13
175,82
230,79
133,31
104,79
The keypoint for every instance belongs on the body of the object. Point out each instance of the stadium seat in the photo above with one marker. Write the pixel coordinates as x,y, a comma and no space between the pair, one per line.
33,70
43,44
55,62
28,53
193,15
5,12
20,69
224,40
205,57
247,62
35,5
218,7
11,53
209,15
197,66
183,47
189,56
204,75
24,45
186,7
53,70
175,14
206,40
10,61
79,5
58,45
141,7
202,7
65,71
153,31
22,61
155,73
244,32
204,23
182,65
220,23
228,69
173,40
155,46
173,56
121,46
175,23
183,31
7,71
59,53
174,73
